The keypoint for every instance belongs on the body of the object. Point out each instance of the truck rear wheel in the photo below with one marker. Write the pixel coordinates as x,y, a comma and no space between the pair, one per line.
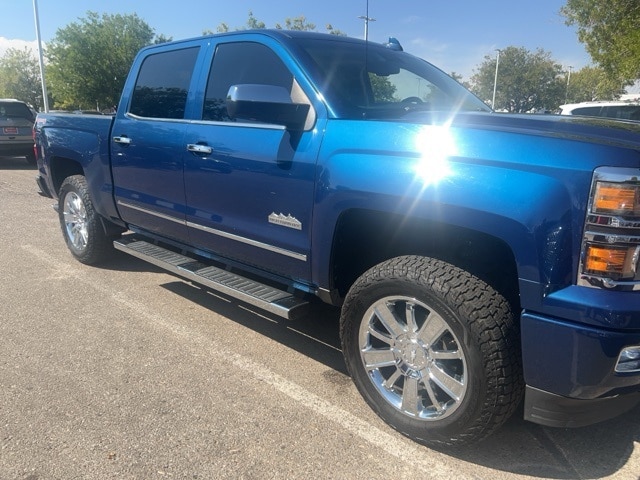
433,350
83,232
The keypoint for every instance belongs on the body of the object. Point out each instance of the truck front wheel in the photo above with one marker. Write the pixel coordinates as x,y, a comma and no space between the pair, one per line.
433,350
83,232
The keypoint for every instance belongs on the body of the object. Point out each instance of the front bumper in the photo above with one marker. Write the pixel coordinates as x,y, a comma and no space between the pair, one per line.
569,370
553,410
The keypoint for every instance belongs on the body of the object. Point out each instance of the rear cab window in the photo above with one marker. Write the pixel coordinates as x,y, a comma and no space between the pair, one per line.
162,86
15,110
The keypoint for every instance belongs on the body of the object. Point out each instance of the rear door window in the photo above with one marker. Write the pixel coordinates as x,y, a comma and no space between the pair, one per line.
163,84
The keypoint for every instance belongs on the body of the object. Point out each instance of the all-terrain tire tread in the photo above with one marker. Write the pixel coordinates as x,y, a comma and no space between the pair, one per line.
489,318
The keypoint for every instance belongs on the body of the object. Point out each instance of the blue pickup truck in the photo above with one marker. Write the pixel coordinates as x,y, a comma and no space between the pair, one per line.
479,259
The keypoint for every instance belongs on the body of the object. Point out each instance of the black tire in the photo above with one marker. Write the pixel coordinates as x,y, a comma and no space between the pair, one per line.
81,226
442,350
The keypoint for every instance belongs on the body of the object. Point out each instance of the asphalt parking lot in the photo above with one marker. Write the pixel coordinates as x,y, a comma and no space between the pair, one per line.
125,371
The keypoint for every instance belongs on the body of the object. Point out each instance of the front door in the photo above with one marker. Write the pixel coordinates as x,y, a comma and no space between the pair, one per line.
249,185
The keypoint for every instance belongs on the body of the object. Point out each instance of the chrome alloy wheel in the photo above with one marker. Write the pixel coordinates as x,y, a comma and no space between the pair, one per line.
413,358
75,221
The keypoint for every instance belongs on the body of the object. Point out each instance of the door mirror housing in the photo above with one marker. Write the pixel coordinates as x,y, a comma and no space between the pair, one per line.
267,104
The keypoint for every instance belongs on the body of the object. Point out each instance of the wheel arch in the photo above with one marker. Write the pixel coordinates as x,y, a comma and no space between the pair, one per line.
364,238
61,168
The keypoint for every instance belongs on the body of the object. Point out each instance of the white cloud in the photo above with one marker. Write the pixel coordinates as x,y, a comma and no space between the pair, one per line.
7,43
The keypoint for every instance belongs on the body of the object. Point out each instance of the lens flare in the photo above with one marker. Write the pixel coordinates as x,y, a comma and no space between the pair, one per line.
436,145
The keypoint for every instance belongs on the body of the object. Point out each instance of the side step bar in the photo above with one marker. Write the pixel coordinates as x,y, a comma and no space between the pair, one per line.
265,297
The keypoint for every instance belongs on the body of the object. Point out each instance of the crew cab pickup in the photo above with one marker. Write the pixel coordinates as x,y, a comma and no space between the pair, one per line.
478,258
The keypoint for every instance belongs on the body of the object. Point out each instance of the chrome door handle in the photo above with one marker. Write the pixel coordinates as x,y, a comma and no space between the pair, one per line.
199,148
123,140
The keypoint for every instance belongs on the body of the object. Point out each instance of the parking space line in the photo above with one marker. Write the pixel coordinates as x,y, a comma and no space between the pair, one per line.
432,463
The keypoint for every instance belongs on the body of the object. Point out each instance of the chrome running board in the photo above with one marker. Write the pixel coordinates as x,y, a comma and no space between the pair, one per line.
268,298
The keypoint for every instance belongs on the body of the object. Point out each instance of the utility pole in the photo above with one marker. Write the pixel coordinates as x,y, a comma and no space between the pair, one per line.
45,97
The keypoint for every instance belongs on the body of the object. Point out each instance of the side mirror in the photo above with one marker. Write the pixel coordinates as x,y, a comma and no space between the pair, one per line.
265,103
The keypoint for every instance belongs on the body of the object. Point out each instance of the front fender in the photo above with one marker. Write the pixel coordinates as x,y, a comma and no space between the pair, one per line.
527,191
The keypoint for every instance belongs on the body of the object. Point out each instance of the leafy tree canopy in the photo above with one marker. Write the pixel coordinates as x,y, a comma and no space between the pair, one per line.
527,81
20,77
610,30
290,23
592,83
297,23
89,60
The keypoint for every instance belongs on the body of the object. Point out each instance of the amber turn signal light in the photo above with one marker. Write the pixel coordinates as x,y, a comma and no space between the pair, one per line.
611,261
617,198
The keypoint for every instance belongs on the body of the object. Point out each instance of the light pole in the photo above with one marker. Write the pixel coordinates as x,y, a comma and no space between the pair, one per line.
495,80
566,93
366,19
45,99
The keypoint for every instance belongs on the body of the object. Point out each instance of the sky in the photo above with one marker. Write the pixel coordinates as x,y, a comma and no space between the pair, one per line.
454,35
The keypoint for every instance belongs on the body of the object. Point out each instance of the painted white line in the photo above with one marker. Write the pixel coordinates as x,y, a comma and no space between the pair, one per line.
433,464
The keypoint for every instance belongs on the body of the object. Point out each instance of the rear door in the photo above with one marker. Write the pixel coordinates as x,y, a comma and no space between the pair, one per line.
250,185
147,141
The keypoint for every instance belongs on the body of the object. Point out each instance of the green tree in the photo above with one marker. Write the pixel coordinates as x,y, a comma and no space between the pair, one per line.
610,30
160,38
297,23
526,81
290,23
89,60
222,28
334,31
591,83
20,76
253,23
382,88
459,78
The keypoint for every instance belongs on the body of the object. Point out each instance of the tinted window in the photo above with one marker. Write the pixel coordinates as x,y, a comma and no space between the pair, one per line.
237,64
15,109
593,111
163,83
627,112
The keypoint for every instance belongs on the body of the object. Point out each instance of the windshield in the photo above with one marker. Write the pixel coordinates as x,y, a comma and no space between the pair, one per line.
371,81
